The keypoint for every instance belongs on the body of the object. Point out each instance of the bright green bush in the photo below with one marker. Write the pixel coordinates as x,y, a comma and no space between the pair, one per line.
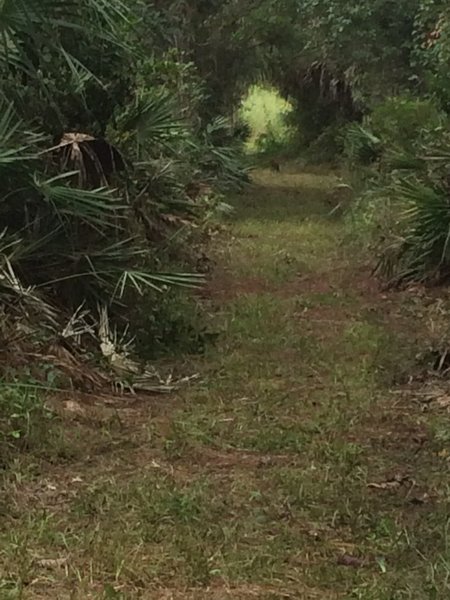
265,112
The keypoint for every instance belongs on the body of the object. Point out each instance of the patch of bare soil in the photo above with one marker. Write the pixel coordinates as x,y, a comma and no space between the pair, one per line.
224,287
207,459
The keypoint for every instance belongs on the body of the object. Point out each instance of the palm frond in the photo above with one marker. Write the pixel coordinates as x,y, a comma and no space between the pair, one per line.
15,143
424,250
140,281
91,206
151,120
361,145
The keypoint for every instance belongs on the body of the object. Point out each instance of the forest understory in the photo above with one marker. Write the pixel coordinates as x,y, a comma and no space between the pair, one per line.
224,301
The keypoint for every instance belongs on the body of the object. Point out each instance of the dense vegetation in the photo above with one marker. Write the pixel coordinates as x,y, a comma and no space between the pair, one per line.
370,88
310,458
108,169
116,133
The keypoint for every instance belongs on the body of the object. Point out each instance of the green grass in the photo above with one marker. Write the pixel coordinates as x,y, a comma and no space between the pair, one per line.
254,481
279,229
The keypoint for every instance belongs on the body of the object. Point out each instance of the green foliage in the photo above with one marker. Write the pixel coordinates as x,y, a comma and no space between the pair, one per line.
219,154
101,142
392,133
59,60
326,148
172,323
330,58
432,48
402,121
405,143
24,420
424,251
156,83
367,38
266,112
73,243
361,147
419,250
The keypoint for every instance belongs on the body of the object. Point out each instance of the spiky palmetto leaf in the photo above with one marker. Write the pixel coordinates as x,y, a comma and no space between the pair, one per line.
423,251
220,155
165,184
19,17
361,145
417,247
151,121
91,206
71,243
140,280
69,239
15,141
224,165
24,298
42,43
80,75
397,159
26,25
219,131
74,274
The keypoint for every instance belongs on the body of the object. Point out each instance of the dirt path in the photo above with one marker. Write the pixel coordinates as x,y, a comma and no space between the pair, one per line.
297,467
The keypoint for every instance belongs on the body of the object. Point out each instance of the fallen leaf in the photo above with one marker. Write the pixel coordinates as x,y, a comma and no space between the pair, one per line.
390,484
387,485
51,563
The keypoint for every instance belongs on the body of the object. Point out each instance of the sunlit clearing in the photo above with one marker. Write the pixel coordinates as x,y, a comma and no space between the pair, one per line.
265,111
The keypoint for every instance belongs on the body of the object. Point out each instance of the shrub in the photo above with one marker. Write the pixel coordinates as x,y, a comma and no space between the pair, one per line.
101,145
401,122
326,148
421,192
407,146
171,323
361,146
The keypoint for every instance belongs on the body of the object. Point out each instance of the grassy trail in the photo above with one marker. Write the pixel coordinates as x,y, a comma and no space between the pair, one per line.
294,469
